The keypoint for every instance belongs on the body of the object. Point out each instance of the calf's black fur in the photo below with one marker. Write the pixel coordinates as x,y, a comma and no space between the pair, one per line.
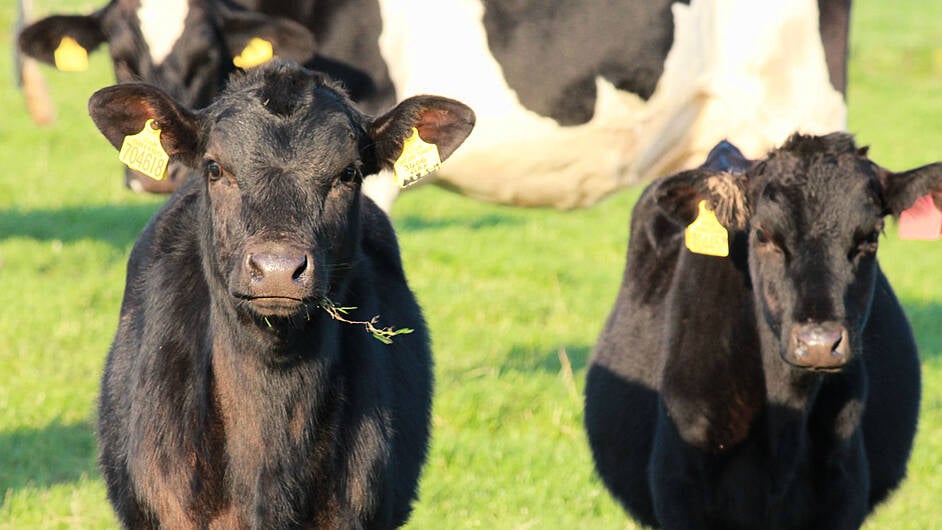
230,399
774,388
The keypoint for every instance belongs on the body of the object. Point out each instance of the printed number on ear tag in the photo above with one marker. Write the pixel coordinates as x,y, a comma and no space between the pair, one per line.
418,159
921,221
70,56
705,235
143,152
256,52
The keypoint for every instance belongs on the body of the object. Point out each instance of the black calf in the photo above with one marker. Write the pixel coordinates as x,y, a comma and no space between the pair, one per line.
230,398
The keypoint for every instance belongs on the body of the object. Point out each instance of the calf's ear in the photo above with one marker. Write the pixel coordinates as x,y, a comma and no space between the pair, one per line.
440,121
123,110
900,190
40,39
288,39
679,196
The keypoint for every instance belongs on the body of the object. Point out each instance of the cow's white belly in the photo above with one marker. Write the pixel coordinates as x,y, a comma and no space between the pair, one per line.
747,71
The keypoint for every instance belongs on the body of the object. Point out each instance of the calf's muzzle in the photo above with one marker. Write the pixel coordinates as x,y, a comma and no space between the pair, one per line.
819,346
278,271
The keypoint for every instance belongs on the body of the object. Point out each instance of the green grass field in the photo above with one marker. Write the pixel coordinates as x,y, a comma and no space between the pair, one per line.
515,299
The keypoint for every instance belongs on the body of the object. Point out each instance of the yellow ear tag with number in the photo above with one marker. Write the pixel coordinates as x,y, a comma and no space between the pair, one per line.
70,56
144,152
705,235
418,159
256,52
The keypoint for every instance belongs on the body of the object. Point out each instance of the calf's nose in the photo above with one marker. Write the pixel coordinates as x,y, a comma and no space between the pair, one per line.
279,274
820,345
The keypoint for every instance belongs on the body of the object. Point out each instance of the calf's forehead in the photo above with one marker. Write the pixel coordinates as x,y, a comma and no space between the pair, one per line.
250,128
819,194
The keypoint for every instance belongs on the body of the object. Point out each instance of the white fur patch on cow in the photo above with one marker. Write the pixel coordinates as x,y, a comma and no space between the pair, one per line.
162,25
749,72
382,188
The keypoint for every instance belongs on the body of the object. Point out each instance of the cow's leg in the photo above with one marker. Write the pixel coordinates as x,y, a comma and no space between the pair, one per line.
844,481
674,477
846,488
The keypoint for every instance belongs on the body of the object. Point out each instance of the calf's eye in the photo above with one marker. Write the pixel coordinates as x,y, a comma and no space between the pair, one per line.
761,236
866,245
349,174
869,242
213,170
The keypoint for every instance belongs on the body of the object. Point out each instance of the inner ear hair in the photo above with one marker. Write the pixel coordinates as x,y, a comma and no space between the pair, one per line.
679,196
446,124
728,199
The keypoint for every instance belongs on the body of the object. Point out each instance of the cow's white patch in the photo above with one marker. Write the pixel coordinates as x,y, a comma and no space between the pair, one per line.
382,188
749,72
738,69
162,25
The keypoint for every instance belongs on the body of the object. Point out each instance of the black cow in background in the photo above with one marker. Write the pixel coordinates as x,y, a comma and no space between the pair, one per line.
575,100
231,398
189,56
774,388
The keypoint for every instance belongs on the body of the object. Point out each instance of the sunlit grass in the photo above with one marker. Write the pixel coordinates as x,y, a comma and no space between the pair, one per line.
515,300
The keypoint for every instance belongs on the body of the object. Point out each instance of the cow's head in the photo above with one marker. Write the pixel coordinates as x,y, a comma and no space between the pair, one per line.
283,153
812,213
184,47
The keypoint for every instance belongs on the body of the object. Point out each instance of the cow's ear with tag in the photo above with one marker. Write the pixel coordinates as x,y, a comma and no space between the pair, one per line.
901,190
57,40
123,110
255,38
915,197
680,196
707,203
420,133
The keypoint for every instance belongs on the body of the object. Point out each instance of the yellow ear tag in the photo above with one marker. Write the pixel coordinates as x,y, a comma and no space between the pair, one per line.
143,152
256,52
70,56
418,159
705,235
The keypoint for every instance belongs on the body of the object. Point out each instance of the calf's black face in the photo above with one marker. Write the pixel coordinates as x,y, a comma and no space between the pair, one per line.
283,153
811,215
192,69
284,212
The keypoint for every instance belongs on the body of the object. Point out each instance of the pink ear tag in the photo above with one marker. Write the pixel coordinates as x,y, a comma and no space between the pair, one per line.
921,221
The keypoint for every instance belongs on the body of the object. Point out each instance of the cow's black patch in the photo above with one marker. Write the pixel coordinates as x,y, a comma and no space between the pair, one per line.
551,52
347,35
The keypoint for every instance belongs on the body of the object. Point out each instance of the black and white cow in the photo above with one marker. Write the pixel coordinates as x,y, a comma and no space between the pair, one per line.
231,398
776,387
575,100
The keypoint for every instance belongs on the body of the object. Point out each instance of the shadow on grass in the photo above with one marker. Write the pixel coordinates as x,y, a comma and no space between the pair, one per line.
50,455
116,224
526,359
415,223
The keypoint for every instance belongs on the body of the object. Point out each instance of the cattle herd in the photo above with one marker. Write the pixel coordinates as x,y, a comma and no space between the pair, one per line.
756,370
